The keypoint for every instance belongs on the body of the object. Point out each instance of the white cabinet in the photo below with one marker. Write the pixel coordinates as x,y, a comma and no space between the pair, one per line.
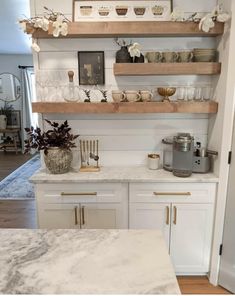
184,214
94,205
102,216
151,216
191,234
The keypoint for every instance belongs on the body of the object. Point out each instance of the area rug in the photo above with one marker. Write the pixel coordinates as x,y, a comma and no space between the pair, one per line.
17,185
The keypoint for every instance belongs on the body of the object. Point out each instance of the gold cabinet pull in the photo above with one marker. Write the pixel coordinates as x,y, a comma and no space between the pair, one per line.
167,215
77,193
172,193
175,215
83,215
76,215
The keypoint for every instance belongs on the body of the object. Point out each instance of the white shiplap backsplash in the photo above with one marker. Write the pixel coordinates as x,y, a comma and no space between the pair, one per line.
124,139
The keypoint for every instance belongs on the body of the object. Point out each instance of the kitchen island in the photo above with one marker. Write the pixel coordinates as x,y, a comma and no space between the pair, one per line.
85,262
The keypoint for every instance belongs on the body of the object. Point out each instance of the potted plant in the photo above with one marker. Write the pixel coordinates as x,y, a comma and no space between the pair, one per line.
56,144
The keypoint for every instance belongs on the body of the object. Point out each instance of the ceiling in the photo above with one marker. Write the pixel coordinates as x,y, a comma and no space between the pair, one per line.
12,39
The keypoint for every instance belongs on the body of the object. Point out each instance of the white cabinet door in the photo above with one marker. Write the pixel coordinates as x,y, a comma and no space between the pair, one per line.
103,216
151,216
59,216
191,235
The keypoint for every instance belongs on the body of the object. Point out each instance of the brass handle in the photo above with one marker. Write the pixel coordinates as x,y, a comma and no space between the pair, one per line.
77,193
83,215
175,215
167,215
75,215
172,193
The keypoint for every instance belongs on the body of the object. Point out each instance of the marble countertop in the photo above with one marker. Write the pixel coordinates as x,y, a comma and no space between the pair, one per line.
120,174
85,262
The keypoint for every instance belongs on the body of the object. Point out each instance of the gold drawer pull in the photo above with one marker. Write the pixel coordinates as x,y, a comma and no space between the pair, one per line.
172,193
167,215
77,193
175,215
83,216
75,215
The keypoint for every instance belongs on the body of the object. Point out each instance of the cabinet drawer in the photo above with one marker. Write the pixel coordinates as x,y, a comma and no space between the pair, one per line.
173,192
81,192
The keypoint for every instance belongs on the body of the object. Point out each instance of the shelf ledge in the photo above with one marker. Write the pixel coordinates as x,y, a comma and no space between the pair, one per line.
118,108
110,29
148,69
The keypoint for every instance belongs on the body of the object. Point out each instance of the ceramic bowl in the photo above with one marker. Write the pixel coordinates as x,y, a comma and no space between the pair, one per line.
121,10
104,11
86,10
139,10
157,10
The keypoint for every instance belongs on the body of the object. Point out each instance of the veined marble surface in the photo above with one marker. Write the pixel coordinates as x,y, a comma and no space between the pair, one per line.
120,174
85,262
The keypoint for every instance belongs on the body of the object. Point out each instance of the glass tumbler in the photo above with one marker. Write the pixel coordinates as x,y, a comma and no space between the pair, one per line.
207,93
181,93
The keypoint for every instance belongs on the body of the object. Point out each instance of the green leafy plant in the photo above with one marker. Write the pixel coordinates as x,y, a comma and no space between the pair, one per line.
58,136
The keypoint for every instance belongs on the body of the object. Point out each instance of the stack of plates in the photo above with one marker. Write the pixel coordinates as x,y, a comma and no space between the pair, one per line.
204,54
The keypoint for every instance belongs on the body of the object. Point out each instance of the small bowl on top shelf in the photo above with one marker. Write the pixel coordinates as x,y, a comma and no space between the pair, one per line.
121,10
166,92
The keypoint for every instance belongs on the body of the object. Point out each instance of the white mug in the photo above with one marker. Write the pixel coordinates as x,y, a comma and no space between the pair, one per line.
118,96
146,95
132,95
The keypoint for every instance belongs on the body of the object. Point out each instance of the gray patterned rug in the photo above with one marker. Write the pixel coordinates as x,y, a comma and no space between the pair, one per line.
16,185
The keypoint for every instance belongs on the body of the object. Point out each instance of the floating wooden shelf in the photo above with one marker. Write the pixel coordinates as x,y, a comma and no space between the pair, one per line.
136,107
130,29
146,69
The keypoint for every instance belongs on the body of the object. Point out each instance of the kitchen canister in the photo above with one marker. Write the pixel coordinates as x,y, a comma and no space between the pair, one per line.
153,161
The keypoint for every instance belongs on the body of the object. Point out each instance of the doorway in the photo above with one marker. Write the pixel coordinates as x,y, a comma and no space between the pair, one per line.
227,264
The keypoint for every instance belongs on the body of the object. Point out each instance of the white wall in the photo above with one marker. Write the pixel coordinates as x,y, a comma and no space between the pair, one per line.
124,139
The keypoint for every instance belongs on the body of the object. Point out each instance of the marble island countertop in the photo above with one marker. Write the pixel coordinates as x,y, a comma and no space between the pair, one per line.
85,262
120,174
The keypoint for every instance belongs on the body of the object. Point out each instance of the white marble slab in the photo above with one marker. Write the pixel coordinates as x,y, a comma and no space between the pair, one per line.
85,262
120,174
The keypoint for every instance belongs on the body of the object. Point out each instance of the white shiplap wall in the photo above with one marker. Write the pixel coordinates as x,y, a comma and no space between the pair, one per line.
124,139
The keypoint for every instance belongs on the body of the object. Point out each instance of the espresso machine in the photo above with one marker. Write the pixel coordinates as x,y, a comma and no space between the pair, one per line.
178,154
183,152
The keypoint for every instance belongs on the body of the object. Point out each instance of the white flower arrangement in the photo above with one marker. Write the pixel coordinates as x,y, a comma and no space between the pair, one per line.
207,22
57,19
134,50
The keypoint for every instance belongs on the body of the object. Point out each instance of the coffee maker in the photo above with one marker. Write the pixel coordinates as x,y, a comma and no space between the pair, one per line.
183,149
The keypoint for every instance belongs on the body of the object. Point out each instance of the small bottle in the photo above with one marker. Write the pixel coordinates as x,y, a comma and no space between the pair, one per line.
70,93
153,161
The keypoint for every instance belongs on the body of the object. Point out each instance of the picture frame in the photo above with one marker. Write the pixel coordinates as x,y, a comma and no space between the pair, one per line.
14,119
122,10
91,67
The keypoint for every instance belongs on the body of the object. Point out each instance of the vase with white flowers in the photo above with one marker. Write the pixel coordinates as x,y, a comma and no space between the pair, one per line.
122,55
129,52
50,19
207,22
135,53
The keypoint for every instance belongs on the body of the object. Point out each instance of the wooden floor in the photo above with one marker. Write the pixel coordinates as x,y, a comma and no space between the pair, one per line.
198,285
9,161
22,214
